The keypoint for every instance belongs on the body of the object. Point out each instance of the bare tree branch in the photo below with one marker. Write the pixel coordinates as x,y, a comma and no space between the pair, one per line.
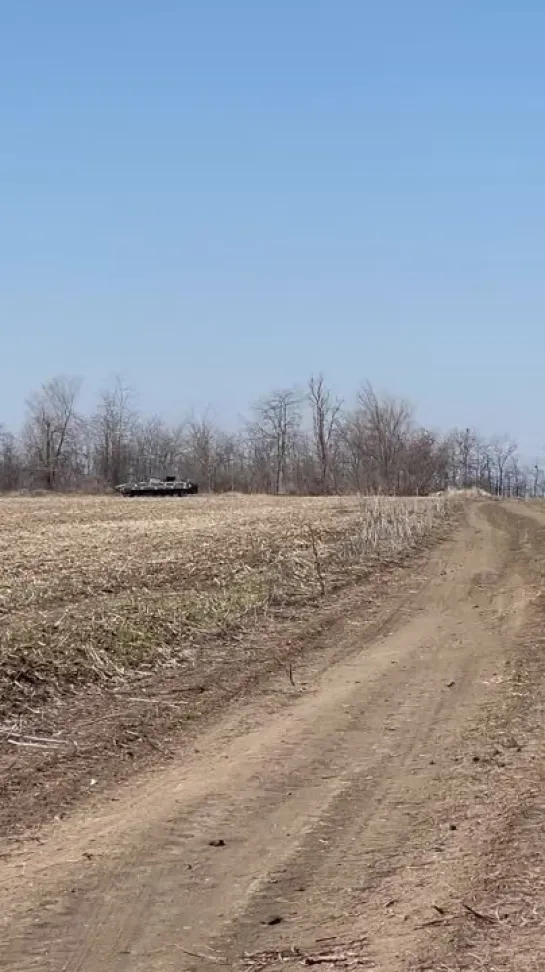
51,420
325,421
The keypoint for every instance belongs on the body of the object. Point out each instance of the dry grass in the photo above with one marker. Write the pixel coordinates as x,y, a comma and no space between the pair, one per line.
94,586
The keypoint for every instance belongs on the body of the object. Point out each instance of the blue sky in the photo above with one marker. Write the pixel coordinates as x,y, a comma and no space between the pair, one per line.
216,198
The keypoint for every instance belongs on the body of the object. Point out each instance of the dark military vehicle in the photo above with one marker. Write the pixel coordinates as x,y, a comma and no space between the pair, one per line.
169,486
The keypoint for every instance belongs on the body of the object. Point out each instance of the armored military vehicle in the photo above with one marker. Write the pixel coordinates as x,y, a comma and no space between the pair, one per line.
169,486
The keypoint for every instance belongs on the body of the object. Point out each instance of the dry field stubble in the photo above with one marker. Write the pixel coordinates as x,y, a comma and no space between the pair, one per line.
92,588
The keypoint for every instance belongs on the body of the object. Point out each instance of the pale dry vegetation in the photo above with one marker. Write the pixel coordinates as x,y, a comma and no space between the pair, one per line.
92,587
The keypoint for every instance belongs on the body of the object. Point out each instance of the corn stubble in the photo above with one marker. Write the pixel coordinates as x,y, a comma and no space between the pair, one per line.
93,588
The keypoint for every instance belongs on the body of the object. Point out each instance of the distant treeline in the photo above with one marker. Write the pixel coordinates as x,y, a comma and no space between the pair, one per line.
293,441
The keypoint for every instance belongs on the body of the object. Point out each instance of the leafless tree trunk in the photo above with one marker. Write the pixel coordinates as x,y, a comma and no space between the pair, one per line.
201,446
424,464
537,477
387,424
10,462
114,426
156,449
503,450
49,427
325,421
278,419
468,456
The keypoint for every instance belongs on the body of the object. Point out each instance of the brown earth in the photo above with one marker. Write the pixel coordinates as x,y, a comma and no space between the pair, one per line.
383,812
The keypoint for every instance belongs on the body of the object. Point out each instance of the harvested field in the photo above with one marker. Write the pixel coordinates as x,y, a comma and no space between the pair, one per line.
380,809
94,587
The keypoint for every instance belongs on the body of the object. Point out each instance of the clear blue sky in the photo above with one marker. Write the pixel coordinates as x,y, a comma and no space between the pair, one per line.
217,197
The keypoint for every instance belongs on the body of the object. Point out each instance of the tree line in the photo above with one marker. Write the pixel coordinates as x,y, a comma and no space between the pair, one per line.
295,440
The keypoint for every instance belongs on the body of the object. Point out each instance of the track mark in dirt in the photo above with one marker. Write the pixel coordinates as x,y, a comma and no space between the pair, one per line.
354,816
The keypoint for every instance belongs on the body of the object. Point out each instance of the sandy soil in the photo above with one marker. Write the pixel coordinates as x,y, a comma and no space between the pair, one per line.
385,811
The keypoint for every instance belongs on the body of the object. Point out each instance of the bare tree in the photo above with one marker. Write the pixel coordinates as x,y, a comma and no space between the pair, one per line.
325,422
503,450
537,477
353,452
386,424
277,423
424,463
10,461
487,480
114,425
156,447
201,450
49,427
230,465
517,482
469,460
472,458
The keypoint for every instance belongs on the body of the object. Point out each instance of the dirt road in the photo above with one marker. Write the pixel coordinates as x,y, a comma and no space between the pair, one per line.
381,818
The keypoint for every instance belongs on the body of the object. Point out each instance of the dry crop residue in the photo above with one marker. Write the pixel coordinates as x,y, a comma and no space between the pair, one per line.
379,813
93,588
126,624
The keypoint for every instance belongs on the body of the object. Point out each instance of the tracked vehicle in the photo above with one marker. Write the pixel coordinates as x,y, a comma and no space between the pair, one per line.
169,486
